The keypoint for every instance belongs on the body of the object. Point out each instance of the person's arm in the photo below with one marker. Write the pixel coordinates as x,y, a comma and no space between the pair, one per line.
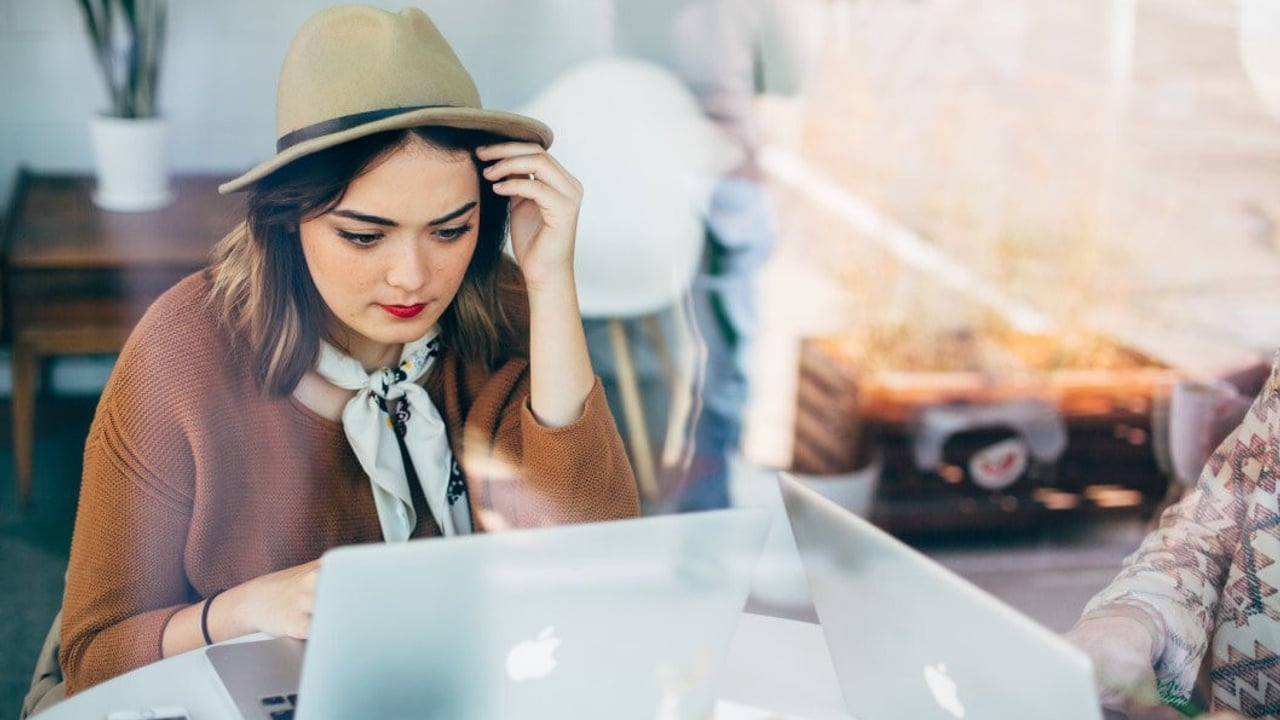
524,474
540,439
125,576
1173,583
544,220
279,604
559,367
128,600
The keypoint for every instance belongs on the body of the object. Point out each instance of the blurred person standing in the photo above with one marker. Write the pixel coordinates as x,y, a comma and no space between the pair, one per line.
727,52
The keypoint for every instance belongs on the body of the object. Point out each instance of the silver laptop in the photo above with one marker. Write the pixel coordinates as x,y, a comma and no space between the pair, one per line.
624,619
910,639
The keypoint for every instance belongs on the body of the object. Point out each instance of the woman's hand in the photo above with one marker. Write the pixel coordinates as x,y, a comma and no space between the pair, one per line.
545,200
1121,649
544,219
278,603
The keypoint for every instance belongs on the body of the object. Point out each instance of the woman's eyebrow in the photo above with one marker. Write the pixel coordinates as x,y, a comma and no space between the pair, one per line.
366,218
450,216
376,220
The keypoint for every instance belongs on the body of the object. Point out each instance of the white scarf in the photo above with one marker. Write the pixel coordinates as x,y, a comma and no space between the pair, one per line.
371,430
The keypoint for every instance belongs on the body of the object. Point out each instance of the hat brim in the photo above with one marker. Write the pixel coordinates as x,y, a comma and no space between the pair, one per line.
510,125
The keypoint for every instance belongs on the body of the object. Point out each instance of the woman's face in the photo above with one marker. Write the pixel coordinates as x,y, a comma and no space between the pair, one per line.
390,256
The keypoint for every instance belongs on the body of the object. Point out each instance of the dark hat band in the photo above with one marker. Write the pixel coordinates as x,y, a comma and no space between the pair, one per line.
338,124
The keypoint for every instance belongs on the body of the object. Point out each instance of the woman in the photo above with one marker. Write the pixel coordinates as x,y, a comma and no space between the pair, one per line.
1202,585
361,362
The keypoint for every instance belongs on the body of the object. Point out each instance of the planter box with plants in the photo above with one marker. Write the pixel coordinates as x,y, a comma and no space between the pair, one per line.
966,441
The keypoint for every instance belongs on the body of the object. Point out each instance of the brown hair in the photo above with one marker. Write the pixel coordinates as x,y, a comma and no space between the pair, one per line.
264,293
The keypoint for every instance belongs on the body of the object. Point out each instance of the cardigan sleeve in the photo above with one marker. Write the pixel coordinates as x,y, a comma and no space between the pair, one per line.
522,473
126,578
1175,578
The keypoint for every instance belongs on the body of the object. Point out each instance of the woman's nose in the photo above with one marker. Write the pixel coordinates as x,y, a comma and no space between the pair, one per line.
408,269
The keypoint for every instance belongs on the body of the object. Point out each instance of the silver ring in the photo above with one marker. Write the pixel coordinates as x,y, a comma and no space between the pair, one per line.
533,177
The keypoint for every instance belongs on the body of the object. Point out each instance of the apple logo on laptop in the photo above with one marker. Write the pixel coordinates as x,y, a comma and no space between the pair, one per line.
943,688
533,659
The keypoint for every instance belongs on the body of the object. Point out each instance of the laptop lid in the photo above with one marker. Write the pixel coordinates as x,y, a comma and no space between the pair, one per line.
910,639
623,619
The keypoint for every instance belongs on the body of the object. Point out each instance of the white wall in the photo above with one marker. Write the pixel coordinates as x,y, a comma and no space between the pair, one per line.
217,85
223,57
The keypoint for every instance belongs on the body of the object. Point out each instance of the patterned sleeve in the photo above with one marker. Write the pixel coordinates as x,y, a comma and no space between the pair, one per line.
1175,578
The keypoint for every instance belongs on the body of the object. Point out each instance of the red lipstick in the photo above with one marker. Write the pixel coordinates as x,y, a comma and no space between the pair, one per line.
404,311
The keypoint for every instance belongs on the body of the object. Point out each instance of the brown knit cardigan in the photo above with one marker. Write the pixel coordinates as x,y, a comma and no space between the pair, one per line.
195,481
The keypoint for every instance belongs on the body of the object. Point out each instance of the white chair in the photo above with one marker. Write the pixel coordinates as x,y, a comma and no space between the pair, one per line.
648,159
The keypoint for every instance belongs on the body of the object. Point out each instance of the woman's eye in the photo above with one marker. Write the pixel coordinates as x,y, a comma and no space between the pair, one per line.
361,239
452,233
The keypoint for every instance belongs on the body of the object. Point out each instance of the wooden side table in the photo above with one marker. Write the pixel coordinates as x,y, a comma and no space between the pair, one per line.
74,279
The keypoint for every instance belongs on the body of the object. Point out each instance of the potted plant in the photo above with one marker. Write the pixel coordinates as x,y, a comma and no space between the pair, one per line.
129,139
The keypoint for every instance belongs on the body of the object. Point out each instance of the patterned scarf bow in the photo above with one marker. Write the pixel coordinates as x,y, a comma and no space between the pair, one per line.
391,408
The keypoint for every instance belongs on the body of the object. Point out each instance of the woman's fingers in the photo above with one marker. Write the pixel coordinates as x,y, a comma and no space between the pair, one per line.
556,194
511,147
541,169
536,170
544,203
283,601
498,151
547,198
513,160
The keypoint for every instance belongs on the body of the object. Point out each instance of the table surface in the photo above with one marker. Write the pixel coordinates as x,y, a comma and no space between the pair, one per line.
776,668
54,225
70,265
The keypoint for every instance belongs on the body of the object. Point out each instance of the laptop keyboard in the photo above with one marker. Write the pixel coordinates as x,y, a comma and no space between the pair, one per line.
280,707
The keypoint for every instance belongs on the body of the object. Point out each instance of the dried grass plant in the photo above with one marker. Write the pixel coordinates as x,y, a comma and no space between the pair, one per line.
128,43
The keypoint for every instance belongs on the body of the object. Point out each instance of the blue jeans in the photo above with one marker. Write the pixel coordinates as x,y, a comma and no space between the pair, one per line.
740,234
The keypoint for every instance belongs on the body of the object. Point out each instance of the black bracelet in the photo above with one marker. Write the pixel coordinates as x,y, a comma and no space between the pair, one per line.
204,617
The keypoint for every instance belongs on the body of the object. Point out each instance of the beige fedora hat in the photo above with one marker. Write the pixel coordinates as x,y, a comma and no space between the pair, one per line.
354,70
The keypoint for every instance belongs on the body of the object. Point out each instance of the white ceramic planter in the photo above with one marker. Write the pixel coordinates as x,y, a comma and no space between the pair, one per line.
132,162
